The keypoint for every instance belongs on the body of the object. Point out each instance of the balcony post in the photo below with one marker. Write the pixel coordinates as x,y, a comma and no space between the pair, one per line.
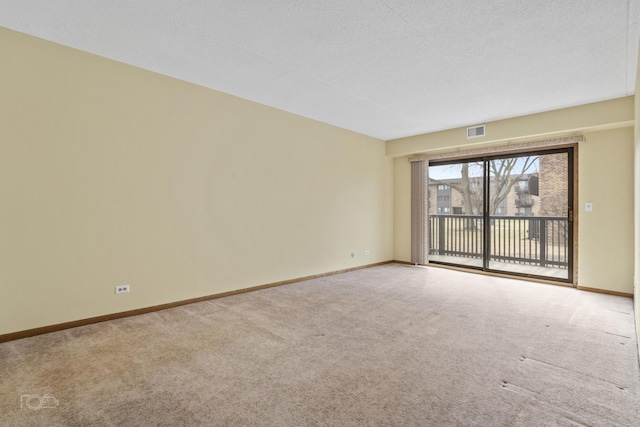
441,225
543,242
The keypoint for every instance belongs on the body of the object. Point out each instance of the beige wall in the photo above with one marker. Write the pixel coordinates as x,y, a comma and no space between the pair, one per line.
605,235
113,175
605,178
637,208
604,115
401,209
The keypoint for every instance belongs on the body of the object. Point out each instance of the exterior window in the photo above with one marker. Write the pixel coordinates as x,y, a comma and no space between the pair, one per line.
443,187
444,198
525,212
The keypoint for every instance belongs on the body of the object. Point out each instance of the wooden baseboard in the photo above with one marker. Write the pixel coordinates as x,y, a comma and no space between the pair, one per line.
82,322
605,291
492,274
403,262
529,279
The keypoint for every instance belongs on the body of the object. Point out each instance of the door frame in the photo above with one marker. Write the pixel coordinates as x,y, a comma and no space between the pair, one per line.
572,215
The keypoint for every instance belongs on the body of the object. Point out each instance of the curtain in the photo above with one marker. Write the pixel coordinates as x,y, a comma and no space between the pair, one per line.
420,212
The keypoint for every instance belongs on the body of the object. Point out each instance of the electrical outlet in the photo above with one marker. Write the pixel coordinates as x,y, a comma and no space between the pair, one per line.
122,289
366,252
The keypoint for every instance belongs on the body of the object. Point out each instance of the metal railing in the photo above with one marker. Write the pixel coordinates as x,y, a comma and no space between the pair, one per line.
531,240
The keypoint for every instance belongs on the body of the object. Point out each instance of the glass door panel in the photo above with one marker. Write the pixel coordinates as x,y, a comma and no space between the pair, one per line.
456,194
528,230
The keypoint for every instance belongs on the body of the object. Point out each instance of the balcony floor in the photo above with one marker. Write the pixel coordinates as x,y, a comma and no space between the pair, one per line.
508,267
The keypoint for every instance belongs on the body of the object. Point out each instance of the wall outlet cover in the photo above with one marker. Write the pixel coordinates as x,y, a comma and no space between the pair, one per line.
122,289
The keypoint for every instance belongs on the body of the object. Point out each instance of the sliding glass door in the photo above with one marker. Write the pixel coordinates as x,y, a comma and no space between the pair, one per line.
510,214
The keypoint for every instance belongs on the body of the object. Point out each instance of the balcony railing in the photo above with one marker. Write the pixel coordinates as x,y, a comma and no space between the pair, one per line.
532,240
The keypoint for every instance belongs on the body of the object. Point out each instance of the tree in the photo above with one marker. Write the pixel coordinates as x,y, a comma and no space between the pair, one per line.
504,176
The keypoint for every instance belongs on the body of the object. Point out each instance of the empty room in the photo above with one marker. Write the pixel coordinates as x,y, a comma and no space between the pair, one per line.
340,213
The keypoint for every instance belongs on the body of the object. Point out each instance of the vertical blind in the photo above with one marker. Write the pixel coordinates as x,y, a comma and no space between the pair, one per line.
420,212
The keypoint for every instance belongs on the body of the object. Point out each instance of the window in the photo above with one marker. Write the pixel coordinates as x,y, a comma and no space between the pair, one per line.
443,187
444,198
524,212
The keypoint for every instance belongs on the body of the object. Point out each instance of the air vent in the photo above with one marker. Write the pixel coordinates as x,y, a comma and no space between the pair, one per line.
475,131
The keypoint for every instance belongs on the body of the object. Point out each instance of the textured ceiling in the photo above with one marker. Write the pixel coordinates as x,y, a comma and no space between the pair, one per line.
384,68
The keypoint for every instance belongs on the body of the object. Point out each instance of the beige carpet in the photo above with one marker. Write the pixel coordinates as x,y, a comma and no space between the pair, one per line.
390,345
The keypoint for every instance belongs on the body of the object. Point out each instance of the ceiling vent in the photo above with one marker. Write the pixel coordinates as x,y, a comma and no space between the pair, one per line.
475,131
